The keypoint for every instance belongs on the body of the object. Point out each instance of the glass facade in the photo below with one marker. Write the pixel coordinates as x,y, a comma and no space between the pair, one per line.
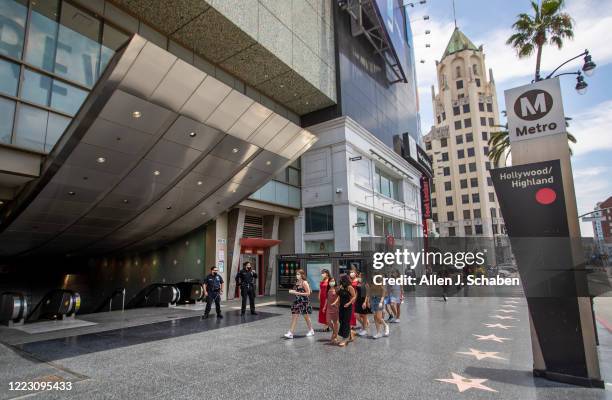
51,54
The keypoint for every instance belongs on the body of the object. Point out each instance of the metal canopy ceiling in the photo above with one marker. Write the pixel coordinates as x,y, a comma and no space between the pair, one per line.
158,149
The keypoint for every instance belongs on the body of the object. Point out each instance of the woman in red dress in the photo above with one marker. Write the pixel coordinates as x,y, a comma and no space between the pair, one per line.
323,288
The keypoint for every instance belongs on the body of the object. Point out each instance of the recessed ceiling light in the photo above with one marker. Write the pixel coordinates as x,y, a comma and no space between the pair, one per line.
1,202
156,172
235,150
203,212
192,134
71,193
199,183
101,160
268,162
125,201
282,86
136,114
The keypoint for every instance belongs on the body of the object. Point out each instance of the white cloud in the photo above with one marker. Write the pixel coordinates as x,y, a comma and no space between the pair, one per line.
592,19
592,129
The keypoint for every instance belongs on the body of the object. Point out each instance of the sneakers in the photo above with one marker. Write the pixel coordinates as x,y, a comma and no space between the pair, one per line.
289,335
205,316
395,321
254,313
362,332
219,316
310,333
386,330
377,336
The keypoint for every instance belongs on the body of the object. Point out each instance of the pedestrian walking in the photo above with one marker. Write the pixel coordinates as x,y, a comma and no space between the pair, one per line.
301,304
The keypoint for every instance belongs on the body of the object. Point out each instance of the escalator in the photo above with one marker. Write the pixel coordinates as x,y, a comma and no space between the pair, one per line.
156,295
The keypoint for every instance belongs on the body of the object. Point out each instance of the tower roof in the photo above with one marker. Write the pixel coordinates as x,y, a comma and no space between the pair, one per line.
458,42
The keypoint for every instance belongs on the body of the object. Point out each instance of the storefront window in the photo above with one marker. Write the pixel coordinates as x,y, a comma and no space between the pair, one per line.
31,127
78,46
320,219
408,231
42,35
378,225
36,88
319,246
7,112
67,98
363,227
56,125
9,77
12,27
387,185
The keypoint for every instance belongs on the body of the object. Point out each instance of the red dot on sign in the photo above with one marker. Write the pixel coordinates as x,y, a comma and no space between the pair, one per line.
545,196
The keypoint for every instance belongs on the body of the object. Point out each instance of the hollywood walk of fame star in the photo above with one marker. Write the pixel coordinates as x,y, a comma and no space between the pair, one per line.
492,337
506,311
481,354
498,326
503,317
464,384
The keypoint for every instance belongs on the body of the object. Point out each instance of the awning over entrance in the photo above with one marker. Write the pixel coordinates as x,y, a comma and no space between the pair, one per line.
258,243
158,149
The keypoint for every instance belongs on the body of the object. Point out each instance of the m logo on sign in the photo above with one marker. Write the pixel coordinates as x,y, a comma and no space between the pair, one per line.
533,104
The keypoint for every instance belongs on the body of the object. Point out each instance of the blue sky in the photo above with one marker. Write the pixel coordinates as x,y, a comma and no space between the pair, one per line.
488,23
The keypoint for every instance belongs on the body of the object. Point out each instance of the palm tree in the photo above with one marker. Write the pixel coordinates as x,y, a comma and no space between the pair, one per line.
548,25
499,143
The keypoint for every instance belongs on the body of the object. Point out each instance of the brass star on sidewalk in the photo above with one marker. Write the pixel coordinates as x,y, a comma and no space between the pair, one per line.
506,311
464,384
503,317
481,354
492,337
498,326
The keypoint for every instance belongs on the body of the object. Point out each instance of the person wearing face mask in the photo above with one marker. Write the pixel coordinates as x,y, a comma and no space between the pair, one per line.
323,288
301,304
245,279
213,289
362,308
353,282
346,300
331,309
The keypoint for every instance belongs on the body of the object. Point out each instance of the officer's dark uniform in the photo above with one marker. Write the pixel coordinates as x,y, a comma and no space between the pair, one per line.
246,280
213,288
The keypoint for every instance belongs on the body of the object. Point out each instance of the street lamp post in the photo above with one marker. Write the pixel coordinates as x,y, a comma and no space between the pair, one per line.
588,68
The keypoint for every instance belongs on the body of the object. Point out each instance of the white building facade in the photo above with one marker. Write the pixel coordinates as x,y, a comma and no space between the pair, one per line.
354,186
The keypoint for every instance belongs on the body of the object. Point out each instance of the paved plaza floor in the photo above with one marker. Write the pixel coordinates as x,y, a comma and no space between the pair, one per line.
470,348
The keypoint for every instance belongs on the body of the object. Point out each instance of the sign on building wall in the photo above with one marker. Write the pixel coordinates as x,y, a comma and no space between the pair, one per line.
535,110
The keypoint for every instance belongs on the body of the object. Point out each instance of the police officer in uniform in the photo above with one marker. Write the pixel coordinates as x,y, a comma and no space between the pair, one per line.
246,280
213,289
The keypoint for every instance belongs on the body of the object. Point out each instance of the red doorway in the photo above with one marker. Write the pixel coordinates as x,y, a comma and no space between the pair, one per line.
253,250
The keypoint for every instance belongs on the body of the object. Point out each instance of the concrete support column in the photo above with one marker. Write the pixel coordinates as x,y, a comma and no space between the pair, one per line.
235,232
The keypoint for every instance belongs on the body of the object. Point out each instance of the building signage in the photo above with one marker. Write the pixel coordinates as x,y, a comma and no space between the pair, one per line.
535,110
416,155
531,199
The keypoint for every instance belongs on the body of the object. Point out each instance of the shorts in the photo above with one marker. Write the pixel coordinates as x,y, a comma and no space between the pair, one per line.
375,304
392,300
